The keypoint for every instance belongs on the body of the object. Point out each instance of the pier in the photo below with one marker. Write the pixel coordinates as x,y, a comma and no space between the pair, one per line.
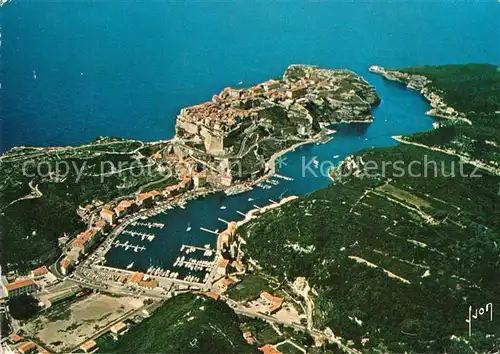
149,224
256,206
194,264
196,248
272,201
224,221
242,214
127,245
211,231
142,235
286,178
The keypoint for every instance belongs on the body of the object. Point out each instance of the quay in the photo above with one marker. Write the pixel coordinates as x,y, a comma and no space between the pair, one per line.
142,235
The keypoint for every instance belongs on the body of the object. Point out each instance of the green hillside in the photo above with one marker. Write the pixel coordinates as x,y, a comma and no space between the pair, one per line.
187,323
398,258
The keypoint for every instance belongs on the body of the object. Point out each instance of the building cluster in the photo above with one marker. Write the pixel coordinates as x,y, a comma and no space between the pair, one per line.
81,245
139,279
12,286
109,214
271,303
233,110
16,344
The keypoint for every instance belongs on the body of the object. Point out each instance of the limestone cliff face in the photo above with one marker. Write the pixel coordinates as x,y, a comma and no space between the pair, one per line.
422,84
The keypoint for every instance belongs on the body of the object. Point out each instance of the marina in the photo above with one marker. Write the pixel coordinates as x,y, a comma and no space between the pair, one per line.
142,235
148,224
126,246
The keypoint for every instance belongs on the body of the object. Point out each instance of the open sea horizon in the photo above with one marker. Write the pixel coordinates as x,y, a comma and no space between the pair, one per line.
73,71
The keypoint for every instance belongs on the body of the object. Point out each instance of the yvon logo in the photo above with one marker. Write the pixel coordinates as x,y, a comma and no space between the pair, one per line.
477,313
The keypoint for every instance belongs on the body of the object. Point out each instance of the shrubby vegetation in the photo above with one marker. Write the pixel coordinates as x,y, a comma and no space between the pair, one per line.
467,88
398,260
31,226
187,323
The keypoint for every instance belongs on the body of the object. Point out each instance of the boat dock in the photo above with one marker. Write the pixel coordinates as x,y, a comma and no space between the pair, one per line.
142,235
224,221
286,178
149,225
207,251
193,264
127,245
210,231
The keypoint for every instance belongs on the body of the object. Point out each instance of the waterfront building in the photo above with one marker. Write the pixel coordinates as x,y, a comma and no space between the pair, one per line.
135,277
108,216
149,284
86,240
144,200
25,286
199,180
226,180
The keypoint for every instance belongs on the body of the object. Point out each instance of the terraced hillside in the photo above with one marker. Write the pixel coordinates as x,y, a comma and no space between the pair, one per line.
397,249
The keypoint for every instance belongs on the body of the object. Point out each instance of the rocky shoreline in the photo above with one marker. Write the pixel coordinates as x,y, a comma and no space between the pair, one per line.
420,83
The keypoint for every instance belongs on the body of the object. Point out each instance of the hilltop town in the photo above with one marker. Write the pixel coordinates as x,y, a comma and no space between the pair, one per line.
240,129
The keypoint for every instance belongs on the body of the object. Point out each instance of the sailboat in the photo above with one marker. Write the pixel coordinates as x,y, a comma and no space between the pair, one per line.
223,207
188,228
336,156
130,265
250,199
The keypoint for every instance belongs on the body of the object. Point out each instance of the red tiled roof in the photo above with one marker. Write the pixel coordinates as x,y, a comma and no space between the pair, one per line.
135,277
84,237
26,347
91,344
40,270
65,263
222,263
212,295
14,338
107,211
20,284
269,349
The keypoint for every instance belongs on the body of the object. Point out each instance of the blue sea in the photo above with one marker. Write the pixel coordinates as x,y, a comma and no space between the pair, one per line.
75,70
